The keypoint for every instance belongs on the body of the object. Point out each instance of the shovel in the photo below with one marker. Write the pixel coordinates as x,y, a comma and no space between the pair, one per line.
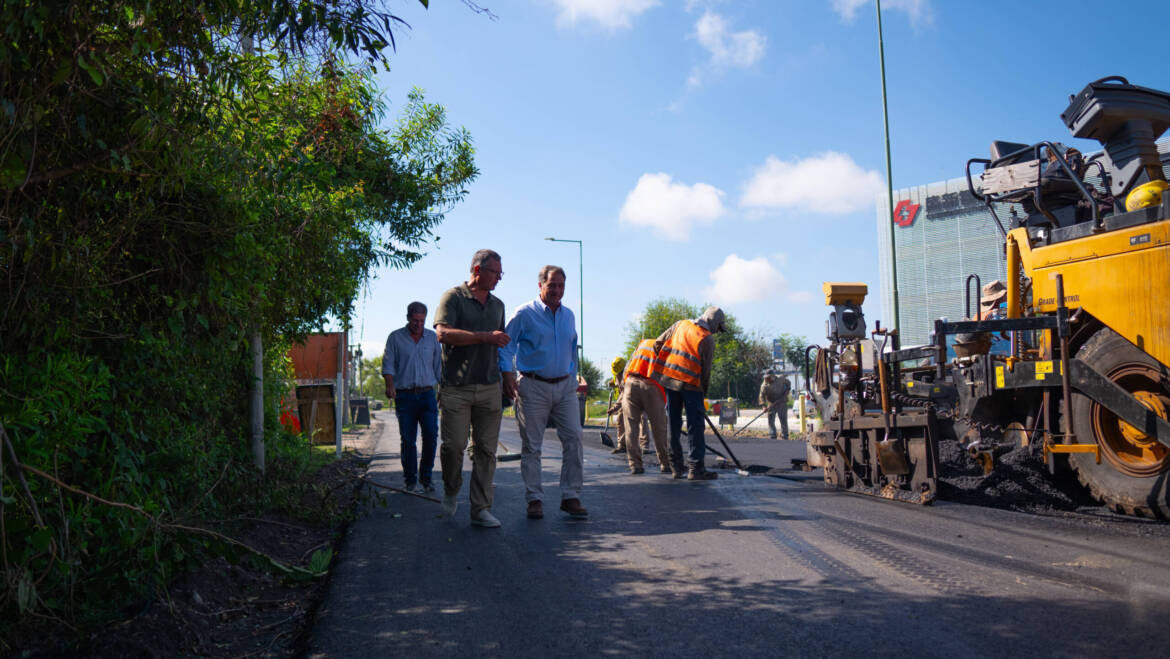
605,438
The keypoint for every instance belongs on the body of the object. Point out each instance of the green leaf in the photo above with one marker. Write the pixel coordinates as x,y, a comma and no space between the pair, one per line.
40,539
319,563
94,74
62,72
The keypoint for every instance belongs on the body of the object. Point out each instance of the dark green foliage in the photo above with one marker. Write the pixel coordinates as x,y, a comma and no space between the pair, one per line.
167,187
590,372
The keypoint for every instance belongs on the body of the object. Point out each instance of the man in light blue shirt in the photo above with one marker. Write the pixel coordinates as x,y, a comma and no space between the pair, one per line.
543,349
411,366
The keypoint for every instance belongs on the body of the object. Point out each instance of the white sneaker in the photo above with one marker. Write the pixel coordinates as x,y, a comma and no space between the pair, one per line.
450,503
485,519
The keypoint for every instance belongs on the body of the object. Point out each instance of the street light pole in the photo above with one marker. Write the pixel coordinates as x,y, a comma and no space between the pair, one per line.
889,174
581,282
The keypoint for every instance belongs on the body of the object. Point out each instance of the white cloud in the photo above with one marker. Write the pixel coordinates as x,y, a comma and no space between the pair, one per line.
829,183
920,11
609,14
671,209
739,280
727,49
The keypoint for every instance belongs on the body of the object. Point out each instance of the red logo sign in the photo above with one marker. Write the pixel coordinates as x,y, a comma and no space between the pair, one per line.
904,213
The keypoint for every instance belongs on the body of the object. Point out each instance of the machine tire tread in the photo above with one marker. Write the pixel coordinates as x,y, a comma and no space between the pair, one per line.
1104,482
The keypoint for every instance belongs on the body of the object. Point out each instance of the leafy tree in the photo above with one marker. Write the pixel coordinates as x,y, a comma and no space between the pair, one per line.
372,384
592,375
794,347
174,176
659,315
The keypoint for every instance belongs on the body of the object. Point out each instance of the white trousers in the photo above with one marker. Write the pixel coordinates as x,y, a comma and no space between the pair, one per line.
536,403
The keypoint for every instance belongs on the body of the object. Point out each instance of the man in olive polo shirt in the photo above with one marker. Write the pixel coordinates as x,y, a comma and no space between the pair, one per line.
470,325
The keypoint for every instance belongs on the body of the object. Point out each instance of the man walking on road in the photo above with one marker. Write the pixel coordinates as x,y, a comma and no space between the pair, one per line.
774,397
643,395
411,367
543,349
682,365
470,326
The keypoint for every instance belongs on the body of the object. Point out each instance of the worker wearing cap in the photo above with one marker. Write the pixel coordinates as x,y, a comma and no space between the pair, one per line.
682,364
642,395
774,397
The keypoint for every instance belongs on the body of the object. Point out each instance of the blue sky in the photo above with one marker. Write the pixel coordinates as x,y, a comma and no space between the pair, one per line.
724,151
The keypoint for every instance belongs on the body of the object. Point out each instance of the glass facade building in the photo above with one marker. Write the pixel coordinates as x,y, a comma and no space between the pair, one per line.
941,234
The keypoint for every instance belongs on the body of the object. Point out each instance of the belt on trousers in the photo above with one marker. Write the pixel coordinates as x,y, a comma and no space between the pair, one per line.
415,390
534,376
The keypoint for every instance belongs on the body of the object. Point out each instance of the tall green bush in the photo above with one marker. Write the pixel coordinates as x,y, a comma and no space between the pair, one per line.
174,176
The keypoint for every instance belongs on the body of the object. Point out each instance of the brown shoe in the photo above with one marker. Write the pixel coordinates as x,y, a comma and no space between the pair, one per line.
637,470
574,508
535,509
701,474
665,468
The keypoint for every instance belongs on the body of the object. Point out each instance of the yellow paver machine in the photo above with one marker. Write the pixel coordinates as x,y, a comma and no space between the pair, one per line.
1087,319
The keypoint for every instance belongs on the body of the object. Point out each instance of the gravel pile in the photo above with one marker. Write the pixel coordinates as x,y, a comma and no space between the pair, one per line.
1020,481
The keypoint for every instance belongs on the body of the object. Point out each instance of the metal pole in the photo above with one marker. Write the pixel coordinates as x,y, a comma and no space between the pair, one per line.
581,309
581,283
889,173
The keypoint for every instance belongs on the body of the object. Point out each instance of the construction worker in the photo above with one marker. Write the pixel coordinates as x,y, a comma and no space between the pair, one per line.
642,395
990,298
617,367
682,364
774,397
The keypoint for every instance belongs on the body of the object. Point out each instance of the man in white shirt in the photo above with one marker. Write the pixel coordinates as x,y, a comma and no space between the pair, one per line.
411,368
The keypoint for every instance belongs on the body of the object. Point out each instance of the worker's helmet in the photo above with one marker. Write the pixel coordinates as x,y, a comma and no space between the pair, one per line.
617,366
1146,195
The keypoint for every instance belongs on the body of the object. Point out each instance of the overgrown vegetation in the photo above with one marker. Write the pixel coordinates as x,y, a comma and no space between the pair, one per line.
174,176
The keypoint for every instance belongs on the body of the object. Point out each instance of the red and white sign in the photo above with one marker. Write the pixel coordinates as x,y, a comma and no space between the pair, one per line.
905,212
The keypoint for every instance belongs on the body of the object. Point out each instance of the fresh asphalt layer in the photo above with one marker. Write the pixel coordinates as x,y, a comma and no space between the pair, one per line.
756,566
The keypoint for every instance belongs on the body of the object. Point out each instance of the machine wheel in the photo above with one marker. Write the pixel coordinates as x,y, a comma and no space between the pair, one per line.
1133,476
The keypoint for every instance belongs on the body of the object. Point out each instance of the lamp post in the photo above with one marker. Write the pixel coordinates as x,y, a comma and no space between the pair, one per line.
889,174
581,281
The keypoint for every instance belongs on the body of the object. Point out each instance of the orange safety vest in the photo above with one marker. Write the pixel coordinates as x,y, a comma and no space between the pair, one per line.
679,358
642,361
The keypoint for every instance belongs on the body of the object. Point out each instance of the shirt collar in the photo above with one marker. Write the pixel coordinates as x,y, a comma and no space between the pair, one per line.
544,307
466,292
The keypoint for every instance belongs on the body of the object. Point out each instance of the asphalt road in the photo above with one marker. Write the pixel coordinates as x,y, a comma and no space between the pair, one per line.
755,566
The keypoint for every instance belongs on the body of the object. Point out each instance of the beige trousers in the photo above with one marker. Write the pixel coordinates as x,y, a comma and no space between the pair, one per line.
474,409
536,403
641,396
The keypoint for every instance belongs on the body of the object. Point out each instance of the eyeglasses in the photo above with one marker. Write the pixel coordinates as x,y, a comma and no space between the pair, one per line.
499,273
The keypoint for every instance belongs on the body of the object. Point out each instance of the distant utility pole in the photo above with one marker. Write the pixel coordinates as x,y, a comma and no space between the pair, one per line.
889,173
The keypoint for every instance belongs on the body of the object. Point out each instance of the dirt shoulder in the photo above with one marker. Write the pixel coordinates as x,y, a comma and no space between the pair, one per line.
240,608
